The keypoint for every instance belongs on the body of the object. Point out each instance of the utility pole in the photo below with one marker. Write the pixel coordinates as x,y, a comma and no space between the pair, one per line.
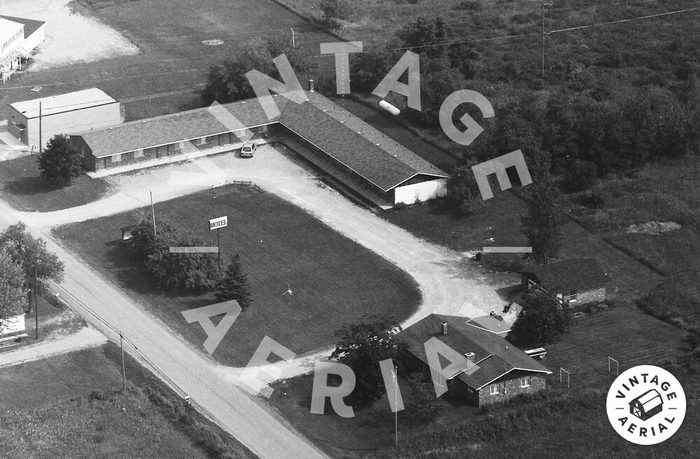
36,308
153,214
294,40
40,145
218,247
545,3
396,413
121,345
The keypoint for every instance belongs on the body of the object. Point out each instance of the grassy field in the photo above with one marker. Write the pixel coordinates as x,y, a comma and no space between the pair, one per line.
69,406
173,61
22,188
334,280
661,192
497,432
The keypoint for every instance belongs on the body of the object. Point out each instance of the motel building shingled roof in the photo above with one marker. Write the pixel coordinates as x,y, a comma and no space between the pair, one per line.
330,128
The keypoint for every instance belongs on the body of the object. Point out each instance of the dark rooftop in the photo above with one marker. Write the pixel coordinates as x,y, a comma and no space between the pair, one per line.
494,356
341,135
30,25
568,275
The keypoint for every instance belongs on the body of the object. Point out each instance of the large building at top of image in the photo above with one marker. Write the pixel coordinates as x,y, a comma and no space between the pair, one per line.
18,38
330,137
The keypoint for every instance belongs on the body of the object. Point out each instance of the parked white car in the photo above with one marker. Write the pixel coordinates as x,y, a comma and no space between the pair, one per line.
248,150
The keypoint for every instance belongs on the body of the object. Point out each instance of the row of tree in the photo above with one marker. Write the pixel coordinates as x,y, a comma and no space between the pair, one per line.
192,271
24,264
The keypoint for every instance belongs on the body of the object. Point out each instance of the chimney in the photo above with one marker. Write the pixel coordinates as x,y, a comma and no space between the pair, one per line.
444,328
470,356
311,85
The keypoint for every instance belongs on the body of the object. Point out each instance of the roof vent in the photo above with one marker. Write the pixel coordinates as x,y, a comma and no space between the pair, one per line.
444,328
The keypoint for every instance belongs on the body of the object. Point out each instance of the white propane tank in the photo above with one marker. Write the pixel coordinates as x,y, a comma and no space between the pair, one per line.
389,108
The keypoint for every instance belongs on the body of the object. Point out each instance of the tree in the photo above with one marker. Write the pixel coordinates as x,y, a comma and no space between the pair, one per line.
368,69
227,81
31,254
59,163
579,176
542,224
362,346
234,285
13,296
542,320
192,271
422,33
336,9
462,189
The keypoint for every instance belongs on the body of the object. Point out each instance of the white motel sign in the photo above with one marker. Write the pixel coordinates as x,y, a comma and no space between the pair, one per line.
218,223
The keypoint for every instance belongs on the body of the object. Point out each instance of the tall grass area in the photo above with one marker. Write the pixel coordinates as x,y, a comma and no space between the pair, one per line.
624,211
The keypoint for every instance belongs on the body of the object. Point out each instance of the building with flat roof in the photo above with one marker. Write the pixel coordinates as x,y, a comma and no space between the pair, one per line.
323,133
62,114
18,38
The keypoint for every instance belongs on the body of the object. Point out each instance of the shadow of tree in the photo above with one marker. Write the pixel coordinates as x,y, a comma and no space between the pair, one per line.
28,186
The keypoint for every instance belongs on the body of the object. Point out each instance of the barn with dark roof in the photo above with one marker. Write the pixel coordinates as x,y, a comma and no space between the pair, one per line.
576,281
497,371
325,134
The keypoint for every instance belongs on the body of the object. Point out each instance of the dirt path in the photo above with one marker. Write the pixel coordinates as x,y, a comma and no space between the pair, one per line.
449,283
83,339
70,38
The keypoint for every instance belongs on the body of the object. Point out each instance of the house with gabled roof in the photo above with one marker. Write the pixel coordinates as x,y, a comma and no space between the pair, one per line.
497,370
325,134
575,281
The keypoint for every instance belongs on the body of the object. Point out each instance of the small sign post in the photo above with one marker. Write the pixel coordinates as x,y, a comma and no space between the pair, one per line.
217,224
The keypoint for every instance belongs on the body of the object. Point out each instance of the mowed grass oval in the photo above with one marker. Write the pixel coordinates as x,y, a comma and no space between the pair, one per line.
332,279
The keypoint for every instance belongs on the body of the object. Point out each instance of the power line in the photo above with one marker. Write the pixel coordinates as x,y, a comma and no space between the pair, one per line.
620,21
568,29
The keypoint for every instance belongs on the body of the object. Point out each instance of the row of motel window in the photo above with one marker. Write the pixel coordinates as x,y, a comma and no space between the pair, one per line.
221,139
500,388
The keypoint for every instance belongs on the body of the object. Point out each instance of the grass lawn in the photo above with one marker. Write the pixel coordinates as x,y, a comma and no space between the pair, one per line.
169,34
499,218
21,187
334,280
68,406
567,419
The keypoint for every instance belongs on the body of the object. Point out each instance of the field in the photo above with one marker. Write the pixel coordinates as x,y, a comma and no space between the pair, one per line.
499,218
497,432
172,64
21,187
333,280
68,406
627,217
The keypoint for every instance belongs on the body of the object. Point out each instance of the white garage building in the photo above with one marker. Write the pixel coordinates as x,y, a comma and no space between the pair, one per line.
62,114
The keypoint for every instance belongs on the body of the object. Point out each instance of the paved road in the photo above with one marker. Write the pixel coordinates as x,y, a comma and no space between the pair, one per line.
448,284
261,431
